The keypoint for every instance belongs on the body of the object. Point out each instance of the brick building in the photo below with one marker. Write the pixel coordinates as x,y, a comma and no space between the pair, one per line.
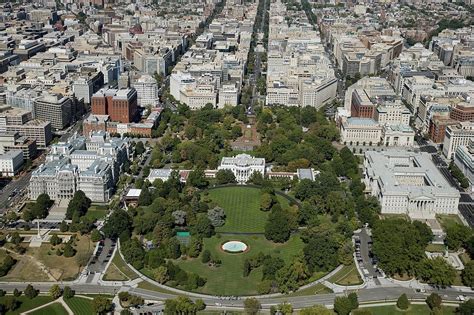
119,105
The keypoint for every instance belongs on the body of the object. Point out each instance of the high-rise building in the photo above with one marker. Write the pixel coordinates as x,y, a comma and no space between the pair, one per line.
56,108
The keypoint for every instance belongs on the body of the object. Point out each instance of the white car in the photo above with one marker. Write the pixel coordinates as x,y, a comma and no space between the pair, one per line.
461,298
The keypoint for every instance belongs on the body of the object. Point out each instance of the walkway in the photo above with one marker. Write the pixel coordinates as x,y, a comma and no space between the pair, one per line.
60,301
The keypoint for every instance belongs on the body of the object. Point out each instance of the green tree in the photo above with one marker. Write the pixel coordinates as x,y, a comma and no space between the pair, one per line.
41,207
252,306
266,202
139,148
202,227
101,305
95,235
354,300
198,179
402,302
225,177
118,222
69,251
11,303
55,291
79,204
31,292
342,305
133,253
206,256
277,228
195,246
434,301
55,240
16,293
321,253
457,235
285,308
466,308
68,292
316,310
16,238
436,271
145,198
468,274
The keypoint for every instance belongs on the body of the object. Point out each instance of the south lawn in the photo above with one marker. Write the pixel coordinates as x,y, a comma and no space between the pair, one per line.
242,208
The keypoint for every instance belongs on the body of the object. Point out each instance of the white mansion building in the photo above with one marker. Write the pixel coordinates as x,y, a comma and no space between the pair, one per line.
243,166
408,183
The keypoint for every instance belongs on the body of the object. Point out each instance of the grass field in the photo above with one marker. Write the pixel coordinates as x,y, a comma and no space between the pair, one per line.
119,270
26,304
436,248
348,275
447,220
421,309
228,279
53,309
148,286
242,208
80,306
97,212
317,289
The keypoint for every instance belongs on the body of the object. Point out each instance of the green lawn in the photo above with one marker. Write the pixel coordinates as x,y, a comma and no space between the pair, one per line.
242,208
418,309
122,267
96,212
145,285
447,220
317,289
53,309
80,306
228,279
27,304
348,275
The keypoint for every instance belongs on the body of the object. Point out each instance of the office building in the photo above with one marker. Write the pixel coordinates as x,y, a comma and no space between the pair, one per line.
408,183
10,163
457,135
55,108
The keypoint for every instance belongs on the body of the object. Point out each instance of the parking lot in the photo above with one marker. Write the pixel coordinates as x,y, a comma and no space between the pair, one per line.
365,257
467,211
100,259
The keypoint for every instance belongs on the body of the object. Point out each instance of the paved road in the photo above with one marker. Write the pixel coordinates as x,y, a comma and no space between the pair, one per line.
367,266
365,295
18,184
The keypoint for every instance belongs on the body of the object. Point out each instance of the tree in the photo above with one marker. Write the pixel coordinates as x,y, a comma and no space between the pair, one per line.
16,292
55,291
118,222
436,271
342,305
203,227
398,245
179,217
16,238
252,306
434,301
79,204
11,303
40,209
161,274
197,179
101,305
69,251
95,235
217,216
30,292
139,148
195,246
63,227
402,302
68,292
225,177
266,202
206,256
256,178
457,235
277,228
55,240
468,274
285,308
466,308
321,253
133,253
354,300
316,310
145,198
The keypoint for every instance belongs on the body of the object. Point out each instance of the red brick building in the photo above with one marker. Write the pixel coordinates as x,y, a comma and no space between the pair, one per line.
437,129
120,105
